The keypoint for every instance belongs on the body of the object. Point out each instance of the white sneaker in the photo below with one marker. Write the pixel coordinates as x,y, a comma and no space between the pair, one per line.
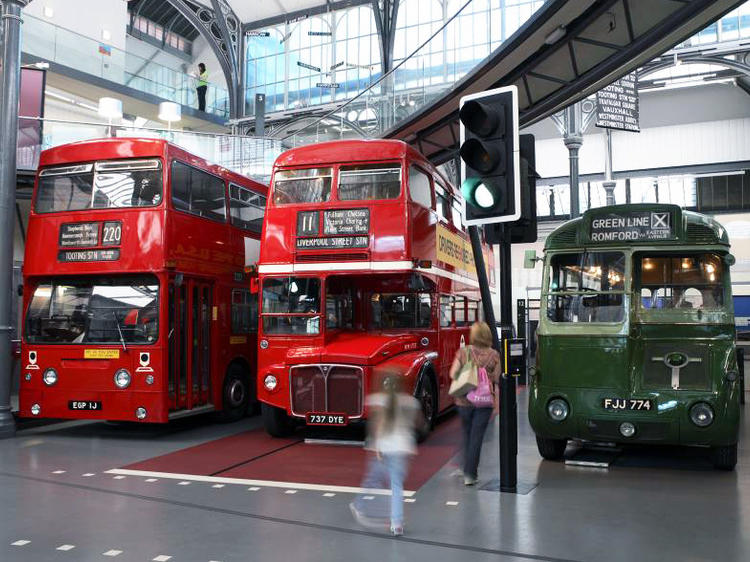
457,473
469,481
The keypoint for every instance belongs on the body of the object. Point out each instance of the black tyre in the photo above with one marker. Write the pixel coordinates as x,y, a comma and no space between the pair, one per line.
428,401
235,395
551,449
724,458
275,421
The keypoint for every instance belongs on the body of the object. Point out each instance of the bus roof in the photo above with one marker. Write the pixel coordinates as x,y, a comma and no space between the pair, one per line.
638,224
350,151
132,147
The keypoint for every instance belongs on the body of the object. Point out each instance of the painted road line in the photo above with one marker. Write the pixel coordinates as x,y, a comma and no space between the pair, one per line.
451,503
218,485
290,492
152,479
262,483
119,477
161,558
66,547
409,500
87,474
328,495
58,472
21,542
183,483
368,497
253,489
112,553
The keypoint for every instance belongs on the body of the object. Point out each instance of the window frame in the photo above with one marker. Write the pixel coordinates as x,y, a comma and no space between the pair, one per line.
200,170
431,186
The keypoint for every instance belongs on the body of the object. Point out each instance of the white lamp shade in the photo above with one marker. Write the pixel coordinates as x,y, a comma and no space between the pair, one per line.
111,108
170,111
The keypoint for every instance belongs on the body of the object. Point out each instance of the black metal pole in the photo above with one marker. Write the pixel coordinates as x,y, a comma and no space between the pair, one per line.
11,81
508,426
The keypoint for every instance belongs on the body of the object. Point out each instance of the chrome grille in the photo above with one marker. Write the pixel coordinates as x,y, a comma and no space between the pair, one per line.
326,388
695,375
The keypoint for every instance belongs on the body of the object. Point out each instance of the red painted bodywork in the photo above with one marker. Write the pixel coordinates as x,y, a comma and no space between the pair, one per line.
402,232
157,240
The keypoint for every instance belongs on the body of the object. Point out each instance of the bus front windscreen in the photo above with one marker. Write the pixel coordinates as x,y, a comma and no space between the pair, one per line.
103,185
687,282
94,310
291,305
586,287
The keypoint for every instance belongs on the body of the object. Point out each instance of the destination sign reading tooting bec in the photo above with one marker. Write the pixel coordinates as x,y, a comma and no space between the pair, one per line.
632,226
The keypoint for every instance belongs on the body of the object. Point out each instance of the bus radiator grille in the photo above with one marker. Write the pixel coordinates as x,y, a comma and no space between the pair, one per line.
327,388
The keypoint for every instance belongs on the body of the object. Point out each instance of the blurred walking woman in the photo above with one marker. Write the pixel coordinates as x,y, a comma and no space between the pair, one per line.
474,420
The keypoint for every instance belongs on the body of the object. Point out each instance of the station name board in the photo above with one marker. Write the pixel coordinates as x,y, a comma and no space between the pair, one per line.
633,226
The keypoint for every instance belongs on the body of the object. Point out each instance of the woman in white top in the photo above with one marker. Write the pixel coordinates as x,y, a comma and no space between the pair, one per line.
393,419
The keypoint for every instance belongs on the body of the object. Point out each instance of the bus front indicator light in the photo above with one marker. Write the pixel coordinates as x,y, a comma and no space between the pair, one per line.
558,409
149,379
270,382
627,429
140,413
122,378
36,409
50,377
701,414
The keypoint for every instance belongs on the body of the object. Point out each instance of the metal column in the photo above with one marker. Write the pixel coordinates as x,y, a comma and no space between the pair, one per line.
609,184
11,81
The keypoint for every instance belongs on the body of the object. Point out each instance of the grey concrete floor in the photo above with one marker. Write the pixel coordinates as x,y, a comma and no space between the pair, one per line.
652,505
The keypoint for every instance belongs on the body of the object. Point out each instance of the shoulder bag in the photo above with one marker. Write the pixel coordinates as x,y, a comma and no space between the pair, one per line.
466,380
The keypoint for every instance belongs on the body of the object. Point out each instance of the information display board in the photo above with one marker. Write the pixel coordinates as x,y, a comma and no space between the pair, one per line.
617,105
632,226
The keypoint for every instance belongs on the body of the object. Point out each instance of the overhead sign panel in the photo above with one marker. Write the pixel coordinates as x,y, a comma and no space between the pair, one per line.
617,105
632,226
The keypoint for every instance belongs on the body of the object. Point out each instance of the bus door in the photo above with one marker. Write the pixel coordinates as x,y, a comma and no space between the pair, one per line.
190,313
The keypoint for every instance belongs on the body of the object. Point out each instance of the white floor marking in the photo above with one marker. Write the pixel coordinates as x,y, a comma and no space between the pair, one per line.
31,443
218,485
262,483
66,547
290,492
409,500
328,495
20,543
58,472
368,497
112,553
152,479
119,477
451,503
183,483
87,474
161,558
253,489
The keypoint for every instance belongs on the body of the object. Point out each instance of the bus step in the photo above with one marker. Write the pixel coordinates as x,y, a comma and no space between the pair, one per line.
596,457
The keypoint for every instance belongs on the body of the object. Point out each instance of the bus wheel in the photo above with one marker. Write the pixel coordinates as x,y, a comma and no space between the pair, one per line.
426,397
275,421
236,395
724,458
551,449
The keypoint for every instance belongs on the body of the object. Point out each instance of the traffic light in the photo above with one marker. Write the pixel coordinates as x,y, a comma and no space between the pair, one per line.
490,168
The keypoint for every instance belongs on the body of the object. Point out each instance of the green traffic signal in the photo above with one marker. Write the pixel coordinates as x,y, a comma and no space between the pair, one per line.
477,193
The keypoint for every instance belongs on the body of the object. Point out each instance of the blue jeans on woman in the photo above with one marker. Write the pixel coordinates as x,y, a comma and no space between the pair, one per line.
474,423
389,468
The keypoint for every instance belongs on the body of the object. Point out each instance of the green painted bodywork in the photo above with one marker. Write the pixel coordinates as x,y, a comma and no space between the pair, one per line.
584,363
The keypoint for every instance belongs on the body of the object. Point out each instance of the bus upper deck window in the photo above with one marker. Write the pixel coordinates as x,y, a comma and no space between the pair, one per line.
309,185
681,282
369,182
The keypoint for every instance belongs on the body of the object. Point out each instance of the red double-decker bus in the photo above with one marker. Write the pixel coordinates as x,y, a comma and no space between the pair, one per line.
137,305
364,265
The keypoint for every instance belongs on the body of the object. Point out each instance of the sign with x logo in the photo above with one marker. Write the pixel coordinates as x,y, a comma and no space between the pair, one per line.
660,220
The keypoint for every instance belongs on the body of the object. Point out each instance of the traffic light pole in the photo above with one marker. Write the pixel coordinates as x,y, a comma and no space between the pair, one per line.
508,424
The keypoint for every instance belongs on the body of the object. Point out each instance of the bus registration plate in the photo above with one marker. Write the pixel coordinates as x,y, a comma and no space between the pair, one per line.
84,405
622,404
313,418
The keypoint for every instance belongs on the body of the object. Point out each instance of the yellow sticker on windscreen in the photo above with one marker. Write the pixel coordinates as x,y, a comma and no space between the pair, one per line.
101,353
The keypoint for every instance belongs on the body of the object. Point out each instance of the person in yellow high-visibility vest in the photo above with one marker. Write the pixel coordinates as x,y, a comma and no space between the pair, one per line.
202,86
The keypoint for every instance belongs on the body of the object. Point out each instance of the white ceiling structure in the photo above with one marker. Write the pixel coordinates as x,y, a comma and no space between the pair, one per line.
253,10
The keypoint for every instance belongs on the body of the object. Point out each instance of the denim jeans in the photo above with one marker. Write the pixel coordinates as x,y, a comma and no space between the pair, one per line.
474,423
390,468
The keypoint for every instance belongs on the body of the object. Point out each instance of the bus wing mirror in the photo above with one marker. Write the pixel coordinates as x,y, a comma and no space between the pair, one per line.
530,259
730,260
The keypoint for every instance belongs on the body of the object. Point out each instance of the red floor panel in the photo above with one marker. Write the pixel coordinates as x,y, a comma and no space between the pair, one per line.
253,455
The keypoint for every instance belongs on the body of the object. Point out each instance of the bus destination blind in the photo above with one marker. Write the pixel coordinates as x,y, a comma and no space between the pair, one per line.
89,241
332,242
632,226
346,221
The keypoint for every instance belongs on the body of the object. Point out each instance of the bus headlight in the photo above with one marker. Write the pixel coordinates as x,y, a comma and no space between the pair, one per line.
270,382
140,413
50,377
122,378
627,429
558,409
701,414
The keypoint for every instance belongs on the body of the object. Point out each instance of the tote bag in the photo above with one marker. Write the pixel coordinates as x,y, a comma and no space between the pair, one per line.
482,395
466,380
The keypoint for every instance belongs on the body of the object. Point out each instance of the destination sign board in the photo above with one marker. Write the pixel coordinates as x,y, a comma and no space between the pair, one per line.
308,66
88,255
617,105
346,221
327,85
79,235
632,226
332,242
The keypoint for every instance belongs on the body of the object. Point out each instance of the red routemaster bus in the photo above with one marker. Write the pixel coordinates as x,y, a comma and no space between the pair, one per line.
137,305
364,265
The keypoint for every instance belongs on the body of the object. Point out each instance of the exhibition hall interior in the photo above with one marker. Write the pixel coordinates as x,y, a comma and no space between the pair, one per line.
374,280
